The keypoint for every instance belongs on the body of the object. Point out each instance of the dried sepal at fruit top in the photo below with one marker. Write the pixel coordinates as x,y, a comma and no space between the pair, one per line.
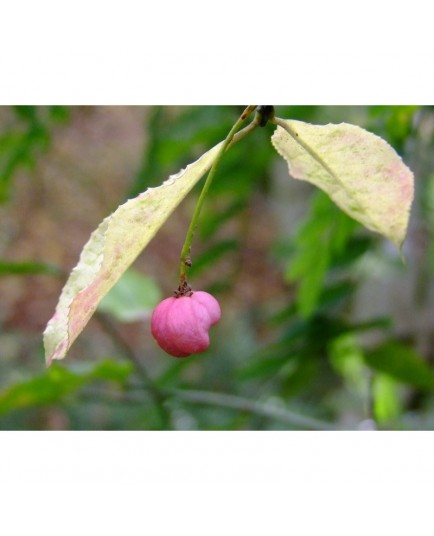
180,324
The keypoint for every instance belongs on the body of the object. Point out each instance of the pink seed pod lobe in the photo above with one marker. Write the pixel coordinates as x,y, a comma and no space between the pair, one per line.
180,325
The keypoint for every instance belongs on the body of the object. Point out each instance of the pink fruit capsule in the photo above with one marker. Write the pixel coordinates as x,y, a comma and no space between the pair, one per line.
180,325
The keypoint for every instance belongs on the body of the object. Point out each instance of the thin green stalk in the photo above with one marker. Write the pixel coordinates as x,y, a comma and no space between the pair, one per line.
237,403
185,252
251,406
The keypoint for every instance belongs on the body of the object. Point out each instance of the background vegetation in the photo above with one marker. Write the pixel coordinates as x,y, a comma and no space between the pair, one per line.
323,325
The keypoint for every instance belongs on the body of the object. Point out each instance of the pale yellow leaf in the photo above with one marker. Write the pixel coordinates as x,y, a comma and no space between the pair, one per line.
111,249
360,172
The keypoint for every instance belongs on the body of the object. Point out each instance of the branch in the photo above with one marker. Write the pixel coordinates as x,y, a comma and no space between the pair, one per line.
243,404
250,406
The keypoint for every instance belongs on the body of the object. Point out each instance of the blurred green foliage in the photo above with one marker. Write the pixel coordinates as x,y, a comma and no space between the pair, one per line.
309,264
21,144
132,298
28,268
304,350
58,383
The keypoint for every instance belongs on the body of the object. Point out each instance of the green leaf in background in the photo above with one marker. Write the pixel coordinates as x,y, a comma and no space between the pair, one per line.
346,357
28,268
402,363
386,398
111,249
311,277
320,238
360,172
132,298
394,122
58,382
20,147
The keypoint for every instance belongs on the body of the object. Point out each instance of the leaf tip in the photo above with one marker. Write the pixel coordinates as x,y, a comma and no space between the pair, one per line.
55,348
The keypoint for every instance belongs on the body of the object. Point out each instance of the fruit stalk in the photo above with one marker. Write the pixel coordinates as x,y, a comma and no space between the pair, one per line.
185,252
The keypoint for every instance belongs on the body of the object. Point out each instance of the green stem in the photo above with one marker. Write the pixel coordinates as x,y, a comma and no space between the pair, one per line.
237,403
230,139
251,406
